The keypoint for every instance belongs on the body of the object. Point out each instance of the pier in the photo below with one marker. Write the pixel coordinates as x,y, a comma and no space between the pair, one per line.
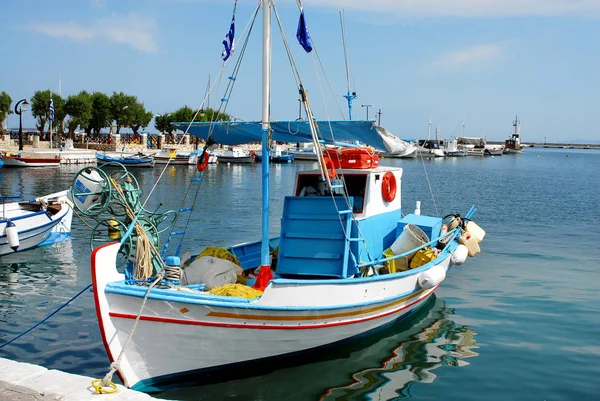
25,382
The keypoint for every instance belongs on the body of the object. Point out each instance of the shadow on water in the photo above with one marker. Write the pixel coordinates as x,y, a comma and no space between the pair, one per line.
384,365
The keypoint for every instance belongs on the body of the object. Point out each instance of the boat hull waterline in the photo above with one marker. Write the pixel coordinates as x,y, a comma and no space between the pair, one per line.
36,228
15,161
291,316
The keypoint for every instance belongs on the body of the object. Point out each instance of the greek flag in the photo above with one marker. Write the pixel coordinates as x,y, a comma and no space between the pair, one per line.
302,34
228,42
51,109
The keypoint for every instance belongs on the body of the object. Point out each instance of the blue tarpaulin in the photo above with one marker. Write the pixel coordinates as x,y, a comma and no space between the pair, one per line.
238,132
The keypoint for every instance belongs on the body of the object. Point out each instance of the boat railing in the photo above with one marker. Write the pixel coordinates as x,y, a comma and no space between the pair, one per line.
452,233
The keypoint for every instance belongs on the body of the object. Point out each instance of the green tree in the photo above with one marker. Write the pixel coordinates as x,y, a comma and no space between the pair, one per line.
5,107
183,114
79,108
212,115
140,118
163,123
101,117
122,109
40,108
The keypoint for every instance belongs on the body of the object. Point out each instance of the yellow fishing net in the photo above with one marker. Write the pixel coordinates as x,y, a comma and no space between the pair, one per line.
236,290
220,253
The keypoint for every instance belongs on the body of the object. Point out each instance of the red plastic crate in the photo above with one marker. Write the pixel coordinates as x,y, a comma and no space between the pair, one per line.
353,158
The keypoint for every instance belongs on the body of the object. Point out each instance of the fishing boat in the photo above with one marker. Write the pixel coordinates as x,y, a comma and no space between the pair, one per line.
305,154
236,154
278,154
347,261
24,160
429,148
451,148
129,160
513,144
41,221
172,157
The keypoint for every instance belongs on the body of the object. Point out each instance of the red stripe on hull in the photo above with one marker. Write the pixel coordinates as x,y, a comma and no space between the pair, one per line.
260,326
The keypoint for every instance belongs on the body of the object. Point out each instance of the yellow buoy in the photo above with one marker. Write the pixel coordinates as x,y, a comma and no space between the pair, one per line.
113,229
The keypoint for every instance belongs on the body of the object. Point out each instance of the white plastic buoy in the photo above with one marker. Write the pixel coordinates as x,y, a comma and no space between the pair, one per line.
459,255
418,208
12,234
432,277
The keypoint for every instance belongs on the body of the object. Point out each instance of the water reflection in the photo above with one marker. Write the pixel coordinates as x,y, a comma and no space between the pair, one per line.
381,366
35,274
434,342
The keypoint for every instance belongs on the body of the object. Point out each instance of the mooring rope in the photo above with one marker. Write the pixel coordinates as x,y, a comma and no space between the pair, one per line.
107,380
46,318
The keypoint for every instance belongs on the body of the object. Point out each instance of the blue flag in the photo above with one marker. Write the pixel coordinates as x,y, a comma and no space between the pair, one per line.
51,109
229,41
302,34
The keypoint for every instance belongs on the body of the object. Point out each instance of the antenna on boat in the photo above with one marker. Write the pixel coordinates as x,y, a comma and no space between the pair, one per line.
350,95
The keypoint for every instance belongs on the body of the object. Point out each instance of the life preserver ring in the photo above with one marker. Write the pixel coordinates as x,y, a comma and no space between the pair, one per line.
388,186
329,167
203,161
482,144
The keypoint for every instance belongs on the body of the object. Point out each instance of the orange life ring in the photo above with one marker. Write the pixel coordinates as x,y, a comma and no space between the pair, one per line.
329,167
388,186
482,144
203,161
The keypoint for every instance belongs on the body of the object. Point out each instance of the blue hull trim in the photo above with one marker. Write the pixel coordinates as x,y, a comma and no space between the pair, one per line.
53,238
260,367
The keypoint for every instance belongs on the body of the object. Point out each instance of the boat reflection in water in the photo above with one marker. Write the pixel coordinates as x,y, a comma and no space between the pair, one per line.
381,366
433,342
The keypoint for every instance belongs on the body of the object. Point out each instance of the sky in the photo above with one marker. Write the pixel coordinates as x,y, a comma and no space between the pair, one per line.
478,61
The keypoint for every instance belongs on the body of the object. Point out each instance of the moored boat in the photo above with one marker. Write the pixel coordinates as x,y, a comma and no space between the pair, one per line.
451,148
41,221
236,154
172,157
278,154
30,161
129,160
346,262
513,144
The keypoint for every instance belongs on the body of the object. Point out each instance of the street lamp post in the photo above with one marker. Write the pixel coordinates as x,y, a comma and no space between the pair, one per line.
367,106
21,106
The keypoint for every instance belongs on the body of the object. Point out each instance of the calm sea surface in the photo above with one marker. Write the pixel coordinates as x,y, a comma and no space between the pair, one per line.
519,321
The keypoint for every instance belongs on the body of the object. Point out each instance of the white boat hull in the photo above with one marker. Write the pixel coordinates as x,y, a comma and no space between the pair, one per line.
14,161
211,332
36,228
235,159
178,160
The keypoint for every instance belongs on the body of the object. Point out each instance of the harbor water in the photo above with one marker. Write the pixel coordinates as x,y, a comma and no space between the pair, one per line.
519,321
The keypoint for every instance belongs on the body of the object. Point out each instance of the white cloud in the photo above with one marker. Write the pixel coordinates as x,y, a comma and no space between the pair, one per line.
135,31
466,58
467,8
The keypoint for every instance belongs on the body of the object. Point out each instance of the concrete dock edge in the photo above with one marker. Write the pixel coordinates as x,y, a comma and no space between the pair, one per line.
26,382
